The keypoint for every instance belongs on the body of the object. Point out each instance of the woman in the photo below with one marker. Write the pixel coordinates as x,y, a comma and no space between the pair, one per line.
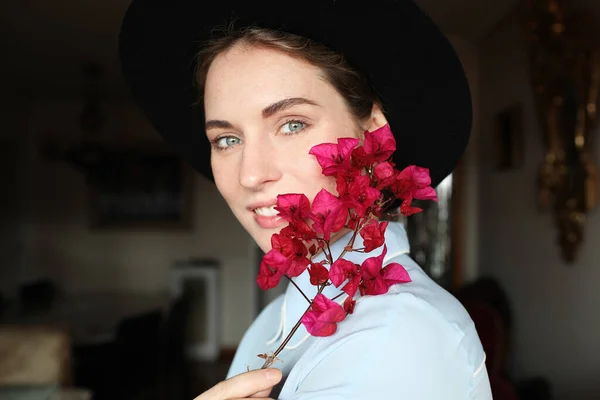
275,82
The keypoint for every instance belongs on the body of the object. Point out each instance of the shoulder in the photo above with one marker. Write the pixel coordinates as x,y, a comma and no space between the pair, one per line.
416,334
417,317
421,305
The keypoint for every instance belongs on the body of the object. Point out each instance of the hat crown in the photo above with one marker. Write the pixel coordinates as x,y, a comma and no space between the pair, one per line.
407,59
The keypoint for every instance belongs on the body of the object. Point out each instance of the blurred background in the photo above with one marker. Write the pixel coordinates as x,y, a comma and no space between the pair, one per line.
123,275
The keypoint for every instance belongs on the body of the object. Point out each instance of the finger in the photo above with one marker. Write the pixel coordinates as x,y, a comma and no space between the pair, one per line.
262,394
243,385
260,398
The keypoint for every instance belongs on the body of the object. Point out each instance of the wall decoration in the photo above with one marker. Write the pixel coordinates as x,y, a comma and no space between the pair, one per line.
564,55
140,189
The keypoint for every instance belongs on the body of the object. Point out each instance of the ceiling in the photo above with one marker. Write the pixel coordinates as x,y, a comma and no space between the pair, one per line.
47,42
470,19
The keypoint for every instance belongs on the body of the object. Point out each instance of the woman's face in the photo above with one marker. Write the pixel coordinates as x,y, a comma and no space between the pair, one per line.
264,111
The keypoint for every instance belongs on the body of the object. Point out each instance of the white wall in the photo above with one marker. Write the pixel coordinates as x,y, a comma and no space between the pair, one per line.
61,244
557,319
469,170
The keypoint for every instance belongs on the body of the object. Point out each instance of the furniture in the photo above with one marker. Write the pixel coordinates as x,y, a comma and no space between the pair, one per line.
99,338
35,364
34,355
89,318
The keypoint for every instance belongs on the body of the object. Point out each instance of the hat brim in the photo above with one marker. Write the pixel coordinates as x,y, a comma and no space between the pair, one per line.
408,60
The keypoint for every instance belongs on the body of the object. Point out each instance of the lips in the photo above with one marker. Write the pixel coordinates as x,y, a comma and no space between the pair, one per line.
262,204
265,214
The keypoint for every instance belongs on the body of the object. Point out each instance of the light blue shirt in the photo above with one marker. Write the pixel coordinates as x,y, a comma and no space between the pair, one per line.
416,342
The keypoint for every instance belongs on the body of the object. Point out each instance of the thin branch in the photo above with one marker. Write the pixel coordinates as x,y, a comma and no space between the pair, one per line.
339,295
300,290
268,363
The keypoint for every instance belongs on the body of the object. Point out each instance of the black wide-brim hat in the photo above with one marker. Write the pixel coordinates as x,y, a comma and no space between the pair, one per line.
407,59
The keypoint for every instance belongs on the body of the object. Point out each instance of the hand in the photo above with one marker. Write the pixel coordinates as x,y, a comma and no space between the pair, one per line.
255,384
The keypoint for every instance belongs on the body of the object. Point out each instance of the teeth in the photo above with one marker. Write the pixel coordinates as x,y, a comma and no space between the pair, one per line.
266,211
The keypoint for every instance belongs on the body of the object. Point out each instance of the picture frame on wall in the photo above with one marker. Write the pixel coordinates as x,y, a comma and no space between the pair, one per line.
195,285
509,138
147,188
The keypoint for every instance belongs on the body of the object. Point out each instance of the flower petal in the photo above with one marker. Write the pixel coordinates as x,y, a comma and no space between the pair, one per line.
318,274
380,143
427,193
327,155
322,318
371,266
349,305
394,273
341,270
351,287
374,287
345,147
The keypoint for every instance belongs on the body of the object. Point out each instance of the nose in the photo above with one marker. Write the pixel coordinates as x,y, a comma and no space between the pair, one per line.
259,165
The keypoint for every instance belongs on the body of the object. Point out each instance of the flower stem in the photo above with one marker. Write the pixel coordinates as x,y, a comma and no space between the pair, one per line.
329,256
350,243
338,296
270,359
300,290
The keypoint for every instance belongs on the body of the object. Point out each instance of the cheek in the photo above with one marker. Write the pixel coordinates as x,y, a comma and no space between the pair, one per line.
311,179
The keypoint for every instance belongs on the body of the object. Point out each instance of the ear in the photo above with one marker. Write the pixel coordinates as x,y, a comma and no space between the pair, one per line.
376,120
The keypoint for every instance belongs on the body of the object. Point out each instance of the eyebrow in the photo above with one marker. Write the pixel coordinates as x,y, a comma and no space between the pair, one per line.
285,104
266,112
217,123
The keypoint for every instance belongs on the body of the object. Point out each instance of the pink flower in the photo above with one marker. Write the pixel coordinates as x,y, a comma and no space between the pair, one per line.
377,280
413,183
373,283
407,210
360,195
417,181
380,143
344,180
394,273
378,146
351,287
323,316
299,229
349,304
293,206
294,250
318,274
329,214
385,174
373,234
273,267
343,270
334,158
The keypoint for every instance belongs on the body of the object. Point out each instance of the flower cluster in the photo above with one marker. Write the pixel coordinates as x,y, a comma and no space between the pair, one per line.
367,183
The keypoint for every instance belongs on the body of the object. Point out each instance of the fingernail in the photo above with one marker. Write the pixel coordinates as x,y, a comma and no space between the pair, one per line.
273,374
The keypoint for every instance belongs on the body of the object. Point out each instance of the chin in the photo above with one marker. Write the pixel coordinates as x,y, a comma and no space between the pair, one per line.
264,244
261,237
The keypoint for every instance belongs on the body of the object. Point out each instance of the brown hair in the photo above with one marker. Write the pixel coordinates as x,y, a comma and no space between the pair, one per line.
352,86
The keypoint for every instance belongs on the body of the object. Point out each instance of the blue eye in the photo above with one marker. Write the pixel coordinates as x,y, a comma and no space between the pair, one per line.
292,127
225,142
